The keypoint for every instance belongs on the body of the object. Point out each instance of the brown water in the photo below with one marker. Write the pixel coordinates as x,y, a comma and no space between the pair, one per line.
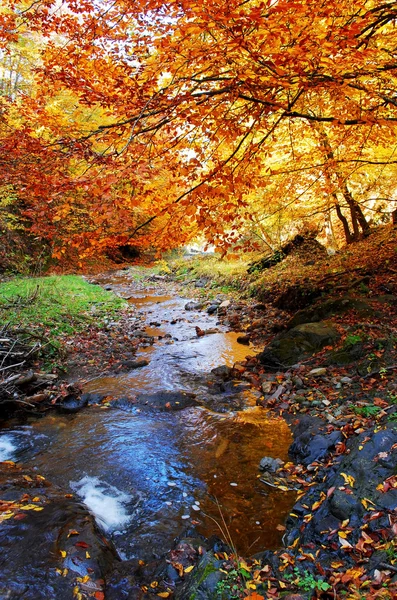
148,475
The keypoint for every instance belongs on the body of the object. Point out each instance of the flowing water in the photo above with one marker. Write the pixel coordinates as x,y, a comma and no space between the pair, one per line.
148,474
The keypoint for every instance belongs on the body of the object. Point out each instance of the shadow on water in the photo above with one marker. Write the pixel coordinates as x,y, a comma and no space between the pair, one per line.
147,475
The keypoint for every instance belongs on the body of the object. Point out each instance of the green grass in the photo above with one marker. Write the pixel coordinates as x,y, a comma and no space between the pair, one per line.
54,306
229,274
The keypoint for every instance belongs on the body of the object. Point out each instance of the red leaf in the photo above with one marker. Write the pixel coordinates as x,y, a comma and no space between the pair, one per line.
82,545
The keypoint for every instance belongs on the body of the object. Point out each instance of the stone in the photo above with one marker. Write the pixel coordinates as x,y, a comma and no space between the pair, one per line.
224,304
297,381
167,401
267,387
193,306
346,380
72,404
270,464
328,308
318,372
223,371
244,340
201,283
290,347
34,548
212,309
136,364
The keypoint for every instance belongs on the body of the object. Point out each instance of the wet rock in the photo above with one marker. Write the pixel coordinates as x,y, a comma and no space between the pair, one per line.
244,340
355,488
167,400
212,309
52,533
194,306
140,333
311,441
72,403
223,371
270,464
292,346
136,364
343,505
203,582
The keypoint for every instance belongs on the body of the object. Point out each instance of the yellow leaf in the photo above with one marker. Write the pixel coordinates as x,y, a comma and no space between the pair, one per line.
63,553
73,532
345,523
163,594
87,555
188,569
349,479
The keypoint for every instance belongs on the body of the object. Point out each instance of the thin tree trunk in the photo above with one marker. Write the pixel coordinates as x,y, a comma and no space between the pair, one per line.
357,216
346,229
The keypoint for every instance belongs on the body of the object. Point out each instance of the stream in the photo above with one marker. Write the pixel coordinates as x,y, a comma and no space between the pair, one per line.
148,474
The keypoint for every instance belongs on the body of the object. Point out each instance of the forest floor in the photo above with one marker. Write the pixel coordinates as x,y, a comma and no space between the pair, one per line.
341,401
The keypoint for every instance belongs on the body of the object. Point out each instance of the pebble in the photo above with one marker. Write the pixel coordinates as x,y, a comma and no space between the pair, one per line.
171,483
195,507
319,371
185,517
234,484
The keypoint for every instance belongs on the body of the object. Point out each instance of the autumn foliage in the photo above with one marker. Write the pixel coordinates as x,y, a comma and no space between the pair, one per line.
145,122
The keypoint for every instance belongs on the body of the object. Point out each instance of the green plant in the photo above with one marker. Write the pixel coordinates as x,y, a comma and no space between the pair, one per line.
352,340
391,397
391,552
307,582
231,586
367,411
363,288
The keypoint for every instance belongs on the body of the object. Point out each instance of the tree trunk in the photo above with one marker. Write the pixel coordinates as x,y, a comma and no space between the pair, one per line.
346,229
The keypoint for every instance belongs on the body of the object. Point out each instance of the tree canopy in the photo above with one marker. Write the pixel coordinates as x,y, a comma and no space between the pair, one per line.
145,122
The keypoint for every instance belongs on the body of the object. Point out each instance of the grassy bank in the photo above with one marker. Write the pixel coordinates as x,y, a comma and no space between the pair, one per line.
228,275
54,307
